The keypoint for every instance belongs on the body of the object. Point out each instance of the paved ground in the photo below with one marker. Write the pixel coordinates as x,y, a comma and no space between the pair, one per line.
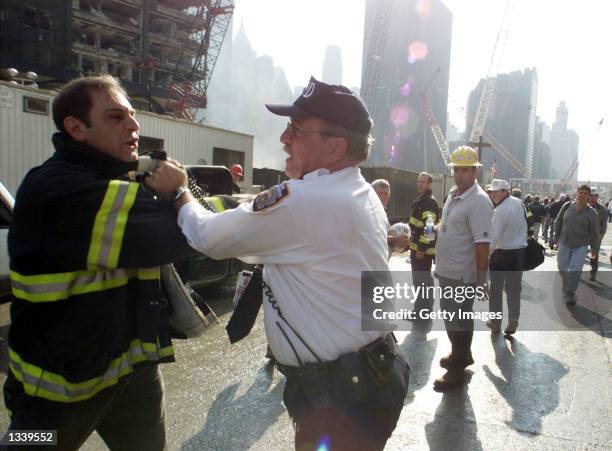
542,390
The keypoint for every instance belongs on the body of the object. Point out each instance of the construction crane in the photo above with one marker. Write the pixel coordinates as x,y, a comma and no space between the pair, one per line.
488,89
484,103
374,62
376,52
508,156
187,91
501,149
436,130
572,168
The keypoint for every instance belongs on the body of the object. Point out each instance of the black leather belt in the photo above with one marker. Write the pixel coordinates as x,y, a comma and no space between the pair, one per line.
383,347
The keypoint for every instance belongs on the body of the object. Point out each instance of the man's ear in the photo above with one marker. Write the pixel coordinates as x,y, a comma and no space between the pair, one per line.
75,128
339,148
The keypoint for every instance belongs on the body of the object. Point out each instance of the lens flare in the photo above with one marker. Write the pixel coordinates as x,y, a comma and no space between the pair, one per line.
406,89
417,51
392,155
324,444
403,120
399,115
423,8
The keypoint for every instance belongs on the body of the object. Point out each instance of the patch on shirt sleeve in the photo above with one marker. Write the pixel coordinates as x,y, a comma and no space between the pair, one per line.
270,197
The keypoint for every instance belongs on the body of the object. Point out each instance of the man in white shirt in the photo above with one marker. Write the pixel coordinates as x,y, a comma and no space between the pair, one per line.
462,259
315,234
508,244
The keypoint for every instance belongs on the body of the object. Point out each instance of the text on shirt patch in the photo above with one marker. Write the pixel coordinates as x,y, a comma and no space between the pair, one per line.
270,197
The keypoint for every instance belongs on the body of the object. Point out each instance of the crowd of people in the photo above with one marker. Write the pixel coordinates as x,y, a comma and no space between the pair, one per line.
90,319
482,239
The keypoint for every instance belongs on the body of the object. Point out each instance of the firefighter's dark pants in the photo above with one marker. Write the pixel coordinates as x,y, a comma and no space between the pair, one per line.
421,276
128,415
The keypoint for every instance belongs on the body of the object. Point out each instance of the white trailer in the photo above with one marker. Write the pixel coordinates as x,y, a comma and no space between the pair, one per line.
26,127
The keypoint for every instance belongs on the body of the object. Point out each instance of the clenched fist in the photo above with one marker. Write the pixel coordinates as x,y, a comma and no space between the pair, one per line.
167,178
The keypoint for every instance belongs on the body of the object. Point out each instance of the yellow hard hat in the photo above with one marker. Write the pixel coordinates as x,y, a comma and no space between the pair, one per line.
464,156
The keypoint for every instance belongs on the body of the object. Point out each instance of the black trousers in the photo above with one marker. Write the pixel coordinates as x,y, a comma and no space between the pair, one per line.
459,329
506,267
128,415
421,276
595,261
594,265
341,409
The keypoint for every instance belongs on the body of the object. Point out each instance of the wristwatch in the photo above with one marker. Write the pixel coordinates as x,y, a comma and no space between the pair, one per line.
178,193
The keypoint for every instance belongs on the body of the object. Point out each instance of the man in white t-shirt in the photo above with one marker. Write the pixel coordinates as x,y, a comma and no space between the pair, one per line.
508,244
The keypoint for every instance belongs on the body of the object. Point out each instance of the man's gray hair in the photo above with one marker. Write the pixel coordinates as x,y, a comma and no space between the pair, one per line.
381,183
359,144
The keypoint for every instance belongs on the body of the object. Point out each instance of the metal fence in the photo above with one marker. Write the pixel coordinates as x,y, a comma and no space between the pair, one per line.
403,186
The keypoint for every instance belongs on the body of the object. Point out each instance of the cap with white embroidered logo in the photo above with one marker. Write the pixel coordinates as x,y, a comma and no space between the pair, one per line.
334,103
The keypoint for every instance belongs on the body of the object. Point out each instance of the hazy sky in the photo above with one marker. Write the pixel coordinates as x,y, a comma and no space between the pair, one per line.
566,41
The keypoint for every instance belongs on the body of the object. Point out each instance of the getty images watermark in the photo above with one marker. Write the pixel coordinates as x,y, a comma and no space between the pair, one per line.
399,300
404,292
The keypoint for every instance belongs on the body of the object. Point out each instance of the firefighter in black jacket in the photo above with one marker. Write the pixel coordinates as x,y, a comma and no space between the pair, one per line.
88,326
422,250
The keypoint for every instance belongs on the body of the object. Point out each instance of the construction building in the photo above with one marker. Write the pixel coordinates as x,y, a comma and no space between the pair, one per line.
564,145
163,51
511,121
406,61
542,160
332,65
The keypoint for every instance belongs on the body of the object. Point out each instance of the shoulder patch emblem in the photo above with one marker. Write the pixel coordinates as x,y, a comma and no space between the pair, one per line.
270,197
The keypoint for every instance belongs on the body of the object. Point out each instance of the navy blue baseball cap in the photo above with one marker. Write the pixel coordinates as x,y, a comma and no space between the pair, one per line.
334,103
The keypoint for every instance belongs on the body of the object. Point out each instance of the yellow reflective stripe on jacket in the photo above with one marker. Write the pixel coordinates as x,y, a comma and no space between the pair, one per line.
428,251
424,240
217,203
148,273
55,287
109,225
45,384
427,213
416,222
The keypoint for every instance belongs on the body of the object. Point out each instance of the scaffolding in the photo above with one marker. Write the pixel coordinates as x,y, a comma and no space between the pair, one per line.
163,51
187,91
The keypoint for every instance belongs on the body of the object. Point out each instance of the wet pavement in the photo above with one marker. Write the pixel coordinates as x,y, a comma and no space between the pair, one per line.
541,390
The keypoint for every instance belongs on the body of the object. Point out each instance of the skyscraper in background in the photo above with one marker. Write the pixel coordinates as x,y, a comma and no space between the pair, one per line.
511,120
541,151
332,65
243,82
563,145
415,61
